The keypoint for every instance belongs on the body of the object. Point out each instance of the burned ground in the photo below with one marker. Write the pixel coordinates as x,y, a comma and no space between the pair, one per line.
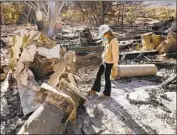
120,113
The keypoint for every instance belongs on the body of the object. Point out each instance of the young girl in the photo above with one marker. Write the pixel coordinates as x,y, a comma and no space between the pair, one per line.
110,58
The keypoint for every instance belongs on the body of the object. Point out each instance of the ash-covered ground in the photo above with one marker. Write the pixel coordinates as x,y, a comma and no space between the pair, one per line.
151,112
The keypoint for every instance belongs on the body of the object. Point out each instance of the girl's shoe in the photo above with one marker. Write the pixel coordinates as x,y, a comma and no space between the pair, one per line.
104,96
91,92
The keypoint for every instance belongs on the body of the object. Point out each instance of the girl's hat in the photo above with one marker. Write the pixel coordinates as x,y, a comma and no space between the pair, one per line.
102,30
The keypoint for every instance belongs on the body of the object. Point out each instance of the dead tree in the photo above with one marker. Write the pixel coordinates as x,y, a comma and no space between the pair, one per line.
97,10
50,11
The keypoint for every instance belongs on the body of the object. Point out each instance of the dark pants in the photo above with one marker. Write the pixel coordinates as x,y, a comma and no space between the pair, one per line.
106,69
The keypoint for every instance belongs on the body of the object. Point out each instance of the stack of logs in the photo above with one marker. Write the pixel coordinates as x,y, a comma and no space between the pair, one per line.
46,79
152,41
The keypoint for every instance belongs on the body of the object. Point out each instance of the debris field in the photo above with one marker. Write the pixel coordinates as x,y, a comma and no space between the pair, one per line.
44,83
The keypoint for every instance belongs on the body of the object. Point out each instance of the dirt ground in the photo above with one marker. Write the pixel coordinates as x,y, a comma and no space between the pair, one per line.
151,113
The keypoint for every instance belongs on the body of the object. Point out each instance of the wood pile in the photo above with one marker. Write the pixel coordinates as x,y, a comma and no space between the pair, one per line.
45,75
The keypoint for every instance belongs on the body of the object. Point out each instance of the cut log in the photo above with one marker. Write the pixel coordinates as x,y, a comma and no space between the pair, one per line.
78,78
59,108
27,98
169,45
71,79
59,69
136,70
74,89
27,79
47,119
132,71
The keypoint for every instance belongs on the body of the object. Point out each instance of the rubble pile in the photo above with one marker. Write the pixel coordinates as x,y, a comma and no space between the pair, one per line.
78,35
169,45
165,26
86,37
45,78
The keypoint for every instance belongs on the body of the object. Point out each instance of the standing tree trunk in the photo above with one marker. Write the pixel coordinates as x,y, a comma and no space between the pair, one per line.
97,24
55,9
95,14
50,11
53,14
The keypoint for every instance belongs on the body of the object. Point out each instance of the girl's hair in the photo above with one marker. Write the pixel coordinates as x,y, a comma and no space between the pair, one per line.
111,35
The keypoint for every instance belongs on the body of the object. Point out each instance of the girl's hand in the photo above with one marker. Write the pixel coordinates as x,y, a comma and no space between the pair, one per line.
114,72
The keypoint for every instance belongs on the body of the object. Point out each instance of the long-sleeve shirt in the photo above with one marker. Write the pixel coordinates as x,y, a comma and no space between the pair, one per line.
111,52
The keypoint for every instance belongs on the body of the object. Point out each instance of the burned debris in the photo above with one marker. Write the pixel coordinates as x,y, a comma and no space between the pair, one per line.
86,37
47,70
